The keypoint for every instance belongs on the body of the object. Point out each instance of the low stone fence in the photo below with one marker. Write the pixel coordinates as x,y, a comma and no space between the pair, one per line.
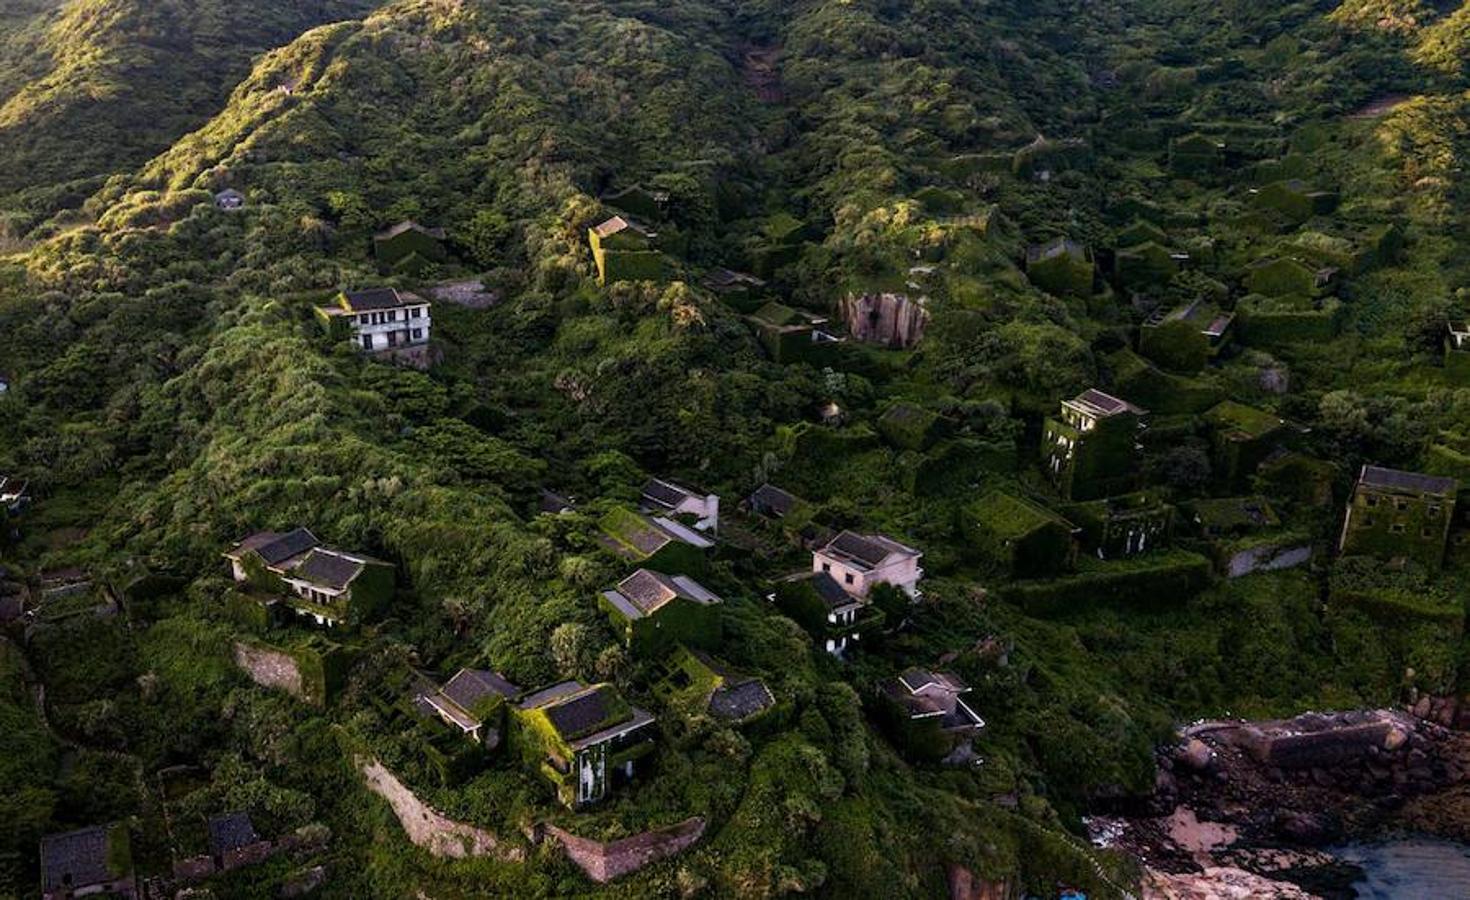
426,827
605,861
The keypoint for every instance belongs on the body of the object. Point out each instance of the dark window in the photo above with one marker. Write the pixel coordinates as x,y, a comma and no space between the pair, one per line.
1400,504
418,334
367,342
848,578
1397,528
826,567
1370,500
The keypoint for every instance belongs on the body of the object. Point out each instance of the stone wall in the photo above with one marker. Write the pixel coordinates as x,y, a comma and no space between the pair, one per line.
1267,558
891,320
269,668
966,885
605,861
427,827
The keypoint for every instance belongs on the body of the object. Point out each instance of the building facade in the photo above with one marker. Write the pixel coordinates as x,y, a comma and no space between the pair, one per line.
1090,449
381,319
1399,515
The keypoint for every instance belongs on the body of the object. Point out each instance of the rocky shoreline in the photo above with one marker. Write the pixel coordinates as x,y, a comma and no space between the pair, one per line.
1245,809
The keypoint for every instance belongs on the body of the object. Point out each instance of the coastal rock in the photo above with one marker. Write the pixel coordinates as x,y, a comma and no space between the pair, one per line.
1196,754
1218,883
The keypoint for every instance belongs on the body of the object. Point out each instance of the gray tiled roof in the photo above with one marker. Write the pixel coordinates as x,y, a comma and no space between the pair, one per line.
740,701
230,832
1377,476
469,686
75,859
283,547
769,497
328,569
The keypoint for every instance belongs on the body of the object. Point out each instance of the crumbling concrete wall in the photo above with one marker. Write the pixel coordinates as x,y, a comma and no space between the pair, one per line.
605,861
892,320
269,668
426,827
1267,559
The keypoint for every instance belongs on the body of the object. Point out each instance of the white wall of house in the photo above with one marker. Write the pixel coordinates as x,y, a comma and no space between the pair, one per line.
387,328
902,572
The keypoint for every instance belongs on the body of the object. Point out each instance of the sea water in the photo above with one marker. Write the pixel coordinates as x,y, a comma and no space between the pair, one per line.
1410,869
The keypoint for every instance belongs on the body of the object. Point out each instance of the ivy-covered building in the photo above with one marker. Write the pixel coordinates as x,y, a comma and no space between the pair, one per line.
793,335
652,611
654,542
1267,321
640,201
1195,154
1283,276
409,248
1123,526
583,739
1456,351
1241,437
1090,449
625,250
1399,515
328,586
833,617
473,701
1062,267
1018,537
926,714
1184,338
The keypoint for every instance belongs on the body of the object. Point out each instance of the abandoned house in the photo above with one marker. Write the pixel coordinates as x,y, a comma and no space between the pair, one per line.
473,701
1062,267
1399,515
769,501
1020,538
409,248
654,542
625,250
1090,450
666,498
835,618
652,611
583,739
1123,526
88,862
927,712
1457,349
229,200
15,494
860,562
330,587
380,319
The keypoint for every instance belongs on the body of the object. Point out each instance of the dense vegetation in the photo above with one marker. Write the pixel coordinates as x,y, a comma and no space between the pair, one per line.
170,391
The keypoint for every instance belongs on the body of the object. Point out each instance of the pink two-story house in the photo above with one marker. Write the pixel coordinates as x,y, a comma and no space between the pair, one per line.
857,562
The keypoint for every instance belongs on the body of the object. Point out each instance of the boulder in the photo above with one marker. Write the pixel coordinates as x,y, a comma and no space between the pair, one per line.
1196,754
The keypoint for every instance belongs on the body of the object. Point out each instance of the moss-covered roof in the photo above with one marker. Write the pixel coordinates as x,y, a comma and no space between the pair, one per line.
1009,516
1244,422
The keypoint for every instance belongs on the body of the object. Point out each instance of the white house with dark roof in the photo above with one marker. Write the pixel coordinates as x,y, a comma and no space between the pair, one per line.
933,720
463,702
669,498
859,562
324,584
381,318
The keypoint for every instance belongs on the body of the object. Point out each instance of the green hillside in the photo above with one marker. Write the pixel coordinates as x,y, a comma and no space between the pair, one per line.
171,390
